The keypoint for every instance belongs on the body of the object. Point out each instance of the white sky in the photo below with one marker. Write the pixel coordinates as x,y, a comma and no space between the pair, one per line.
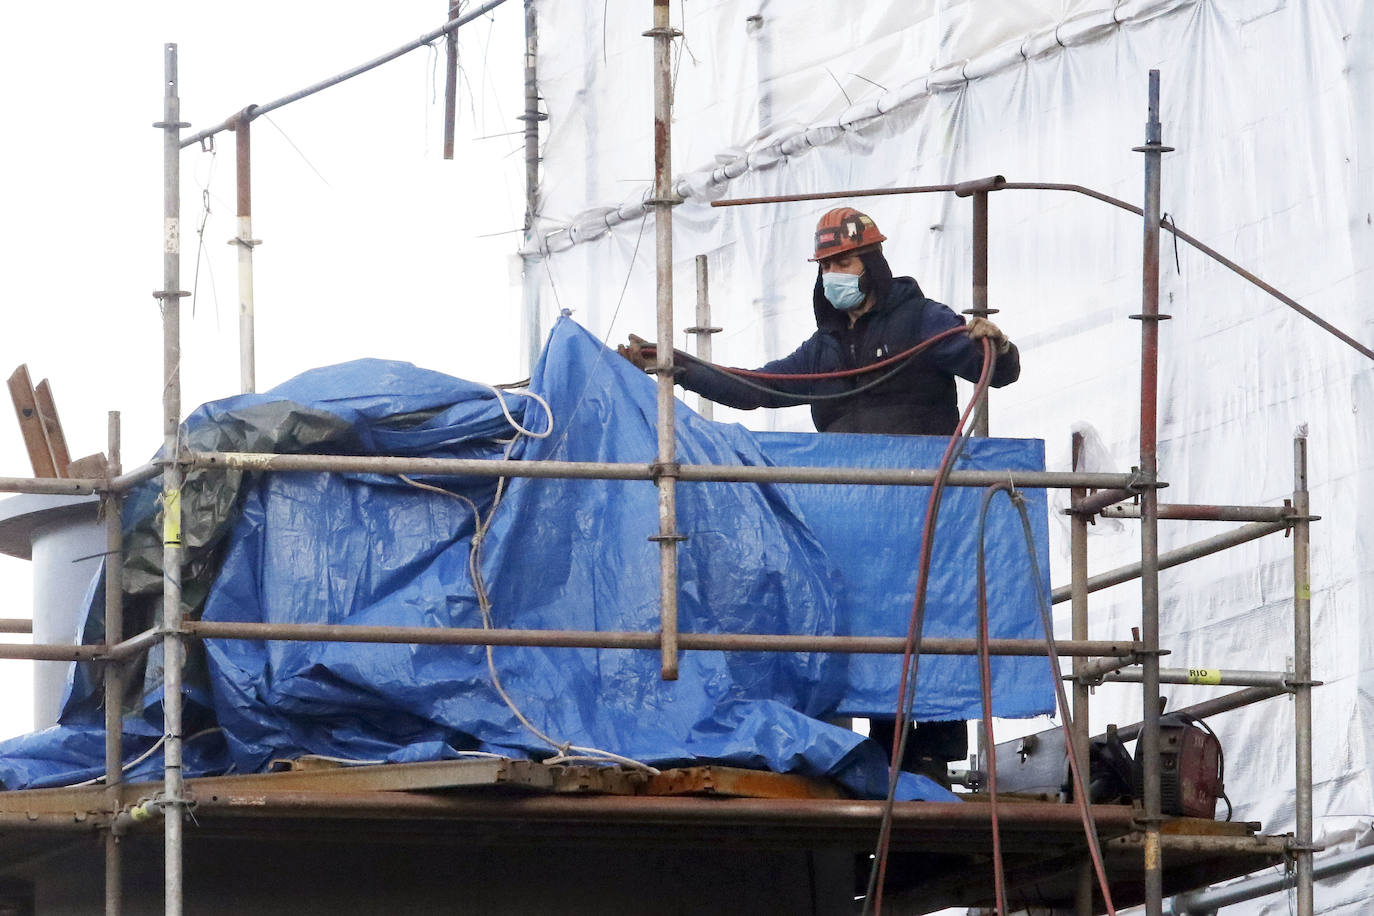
372,242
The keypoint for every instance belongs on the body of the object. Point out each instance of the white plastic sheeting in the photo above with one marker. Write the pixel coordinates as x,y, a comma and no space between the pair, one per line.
1269,105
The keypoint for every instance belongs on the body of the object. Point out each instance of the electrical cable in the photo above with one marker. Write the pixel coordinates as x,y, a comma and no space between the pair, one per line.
97,780
1080,779
985,684
873,898
480,528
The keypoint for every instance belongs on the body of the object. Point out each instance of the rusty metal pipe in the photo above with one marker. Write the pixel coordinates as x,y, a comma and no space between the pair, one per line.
1149,503
243,175
51,652
1209,677
472,467
665,464
16,625
1302,681
1093,503
1086,192
1207,513
127,648
349,74
612,639
58,486
450,82
1213,707
1215,544
113,673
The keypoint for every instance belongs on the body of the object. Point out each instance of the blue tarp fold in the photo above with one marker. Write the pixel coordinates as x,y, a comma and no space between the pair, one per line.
371,550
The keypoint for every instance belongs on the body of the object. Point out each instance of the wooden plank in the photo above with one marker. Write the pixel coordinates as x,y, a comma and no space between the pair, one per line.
30,425
52,426
89,467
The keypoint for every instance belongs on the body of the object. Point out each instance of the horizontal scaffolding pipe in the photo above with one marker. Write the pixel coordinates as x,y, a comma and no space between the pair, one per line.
51,652
1171,558
139,474
1215,677
258,110
1004,185
16,625
1208,900
1094,503
593,639
133,645
1203,513
600,470
1177,842
54,486
1214,707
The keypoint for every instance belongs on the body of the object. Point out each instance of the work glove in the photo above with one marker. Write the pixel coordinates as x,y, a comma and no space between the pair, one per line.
979,328
634,352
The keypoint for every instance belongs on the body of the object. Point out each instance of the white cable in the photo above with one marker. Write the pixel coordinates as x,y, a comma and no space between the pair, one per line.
143,756
484,606
510,419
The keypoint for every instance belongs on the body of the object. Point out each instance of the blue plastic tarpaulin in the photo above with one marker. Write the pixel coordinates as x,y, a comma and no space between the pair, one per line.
559,554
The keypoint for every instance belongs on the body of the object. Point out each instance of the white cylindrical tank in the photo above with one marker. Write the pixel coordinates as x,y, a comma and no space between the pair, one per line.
66,543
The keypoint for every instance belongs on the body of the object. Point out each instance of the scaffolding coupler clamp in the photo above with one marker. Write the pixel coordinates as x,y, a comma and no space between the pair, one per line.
166,294
662,33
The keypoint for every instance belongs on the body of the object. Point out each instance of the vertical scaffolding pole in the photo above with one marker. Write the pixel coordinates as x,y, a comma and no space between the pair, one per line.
1078,589
980,287
173,802
1149,502
246,243
703,329
451,81
114,670
1302,671
665,467
531,117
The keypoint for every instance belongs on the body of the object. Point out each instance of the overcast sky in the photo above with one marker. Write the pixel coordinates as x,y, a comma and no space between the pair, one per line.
373,244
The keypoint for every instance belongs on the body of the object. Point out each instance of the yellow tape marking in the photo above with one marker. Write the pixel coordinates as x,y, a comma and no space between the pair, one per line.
171,518
1204,675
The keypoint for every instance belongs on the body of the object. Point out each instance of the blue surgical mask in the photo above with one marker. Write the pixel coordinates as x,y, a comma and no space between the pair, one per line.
842,290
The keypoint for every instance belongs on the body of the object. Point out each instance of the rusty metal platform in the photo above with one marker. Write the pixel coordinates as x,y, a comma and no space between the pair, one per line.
941,851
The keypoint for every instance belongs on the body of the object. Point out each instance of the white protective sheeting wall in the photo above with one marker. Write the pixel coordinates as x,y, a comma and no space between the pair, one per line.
1269,105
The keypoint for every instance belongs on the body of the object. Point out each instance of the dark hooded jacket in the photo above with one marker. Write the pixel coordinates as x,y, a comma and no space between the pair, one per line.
919,399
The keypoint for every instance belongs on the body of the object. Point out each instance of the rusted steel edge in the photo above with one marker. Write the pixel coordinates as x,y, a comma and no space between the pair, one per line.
593,639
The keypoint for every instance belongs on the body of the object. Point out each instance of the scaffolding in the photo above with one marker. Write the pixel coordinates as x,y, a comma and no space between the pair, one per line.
1092,494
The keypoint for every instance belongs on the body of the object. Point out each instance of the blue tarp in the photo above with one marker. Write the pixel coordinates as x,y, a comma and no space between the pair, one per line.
559,554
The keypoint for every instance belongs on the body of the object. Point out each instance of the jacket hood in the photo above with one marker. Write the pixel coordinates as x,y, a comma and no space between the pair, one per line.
877,278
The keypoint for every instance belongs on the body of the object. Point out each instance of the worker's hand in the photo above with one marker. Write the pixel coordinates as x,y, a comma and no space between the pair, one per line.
634,352
979,328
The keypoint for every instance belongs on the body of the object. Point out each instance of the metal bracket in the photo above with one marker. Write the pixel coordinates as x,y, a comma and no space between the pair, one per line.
981,313
163,294
245,243
1159,317
1152,148
163,125
661,538
661,469
662,33
696,330
662,201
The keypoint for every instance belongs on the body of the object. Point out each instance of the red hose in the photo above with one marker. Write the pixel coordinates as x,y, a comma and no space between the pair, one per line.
805,376
917,615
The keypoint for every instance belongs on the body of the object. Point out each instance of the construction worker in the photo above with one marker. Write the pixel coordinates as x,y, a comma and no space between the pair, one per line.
863,316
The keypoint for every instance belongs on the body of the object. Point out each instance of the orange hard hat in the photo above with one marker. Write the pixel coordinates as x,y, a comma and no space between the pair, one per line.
845,229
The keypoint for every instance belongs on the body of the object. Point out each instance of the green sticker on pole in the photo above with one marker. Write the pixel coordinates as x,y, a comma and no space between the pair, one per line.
1204,676
171,518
